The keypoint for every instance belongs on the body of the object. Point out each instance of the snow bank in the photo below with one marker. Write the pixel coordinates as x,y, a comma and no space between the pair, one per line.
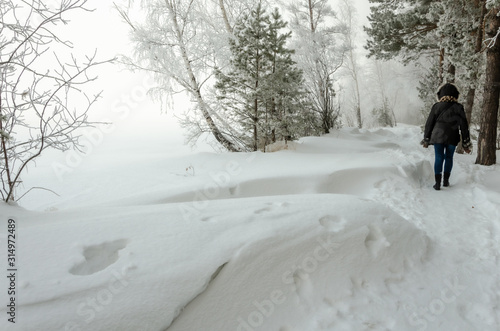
142,268
329,269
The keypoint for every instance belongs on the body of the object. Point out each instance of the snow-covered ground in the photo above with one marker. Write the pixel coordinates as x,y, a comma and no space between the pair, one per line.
341,232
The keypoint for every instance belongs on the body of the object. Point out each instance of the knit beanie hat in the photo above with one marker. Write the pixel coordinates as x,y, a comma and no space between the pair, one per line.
448,90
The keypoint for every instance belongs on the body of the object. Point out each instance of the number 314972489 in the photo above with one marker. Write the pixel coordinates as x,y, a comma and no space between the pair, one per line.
11,246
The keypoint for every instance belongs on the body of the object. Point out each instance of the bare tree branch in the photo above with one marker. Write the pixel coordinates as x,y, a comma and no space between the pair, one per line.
35,101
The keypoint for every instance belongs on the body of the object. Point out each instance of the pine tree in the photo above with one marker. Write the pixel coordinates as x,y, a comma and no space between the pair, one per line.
401,28
456,29
283,86
446,29
262,88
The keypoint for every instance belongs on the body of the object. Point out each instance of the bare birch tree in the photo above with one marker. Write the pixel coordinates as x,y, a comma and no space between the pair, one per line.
318,54
347,15
36,85
182,42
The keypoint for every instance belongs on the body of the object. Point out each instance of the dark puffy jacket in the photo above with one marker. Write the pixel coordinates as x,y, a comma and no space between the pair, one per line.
444,123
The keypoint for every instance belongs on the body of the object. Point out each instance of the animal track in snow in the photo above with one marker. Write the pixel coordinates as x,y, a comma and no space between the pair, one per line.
303,287
333,223
376,241
99,257
271,207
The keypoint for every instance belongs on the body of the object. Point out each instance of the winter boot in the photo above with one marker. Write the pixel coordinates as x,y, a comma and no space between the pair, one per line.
437,186
446,179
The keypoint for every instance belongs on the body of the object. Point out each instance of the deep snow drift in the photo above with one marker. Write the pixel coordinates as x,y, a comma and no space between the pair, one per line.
341,232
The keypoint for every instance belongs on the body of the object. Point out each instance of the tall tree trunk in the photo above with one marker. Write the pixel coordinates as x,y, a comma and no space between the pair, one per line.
225,16
469,103
356,86
311,16
195,87
256,107
325,106
255,128
471,94
486,154
349,13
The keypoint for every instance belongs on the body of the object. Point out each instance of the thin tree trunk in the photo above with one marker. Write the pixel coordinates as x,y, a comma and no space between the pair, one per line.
225,16
311,16
486,154
325,96
256,105
5,156
255,120
356,85
469,103
441,66
195,87
255,132
452,70
352,60
471,94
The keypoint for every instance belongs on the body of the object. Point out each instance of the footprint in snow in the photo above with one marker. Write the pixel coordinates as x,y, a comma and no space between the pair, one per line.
303,287
376,241
272,206
332,223
99,257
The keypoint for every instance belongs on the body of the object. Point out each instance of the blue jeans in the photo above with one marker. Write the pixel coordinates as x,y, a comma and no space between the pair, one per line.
443,155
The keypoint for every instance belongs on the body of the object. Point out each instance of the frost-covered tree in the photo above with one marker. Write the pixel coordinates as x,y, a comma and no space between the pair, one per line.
429,80
383,111
320,54
233,10
38,86
261,90
181,42
448,30
286,113
401,27
348,13
460,30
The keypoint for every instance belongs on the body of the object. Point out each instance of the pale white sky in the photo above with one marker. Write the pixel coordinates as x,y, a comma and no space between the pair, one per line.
104,30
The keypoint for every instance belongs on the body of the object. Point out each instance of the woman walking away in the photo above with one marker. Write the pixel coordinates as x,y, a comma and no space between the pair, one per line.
444,125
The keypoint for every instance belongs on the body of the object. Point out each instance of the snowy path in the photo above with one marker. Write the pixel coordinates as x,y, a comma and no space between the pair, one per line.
344,232
463,222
